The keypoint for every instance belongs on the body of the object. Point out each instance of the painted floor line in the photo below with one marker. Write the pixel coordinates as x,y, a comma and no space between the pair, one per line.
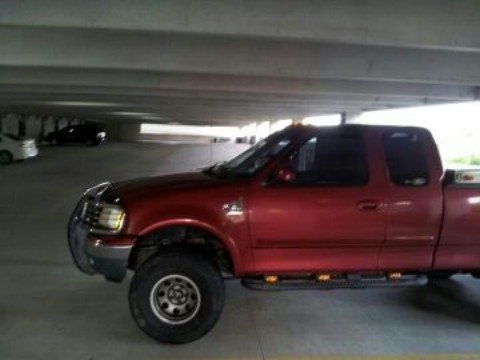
412,356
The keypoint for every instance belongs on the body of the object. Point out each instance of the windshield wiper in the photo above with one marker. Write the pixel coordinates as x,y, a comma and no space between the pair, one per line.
218,169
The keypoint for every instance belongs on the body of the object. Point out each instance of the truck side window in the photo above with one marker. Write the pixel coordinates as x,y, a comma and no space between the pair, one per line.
406,160
331,160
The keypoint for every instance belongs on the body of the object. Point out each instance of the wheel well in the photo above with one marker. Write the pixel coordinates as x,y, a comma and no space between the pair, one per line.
177,236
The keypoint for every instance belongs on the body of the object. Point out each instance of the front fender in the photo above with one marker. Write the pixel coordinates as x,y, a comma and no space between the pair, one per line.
226,240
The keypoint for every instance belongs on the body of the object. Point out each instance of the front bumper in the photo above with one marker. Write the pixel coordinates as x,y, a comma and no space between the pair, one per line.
108,260
29,152
93,254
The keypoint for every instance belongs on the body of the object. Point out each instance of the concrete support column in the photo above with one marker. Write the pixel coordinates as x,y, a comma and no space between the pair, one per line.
48,124
350,117
33,126
9,123
247,134
22,125
297,121
129,132
262,130
113,129
43,121
252,139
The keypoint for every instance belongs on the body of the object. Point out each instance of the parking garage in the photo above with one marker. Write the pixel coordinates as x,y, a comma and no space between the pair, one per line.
179,86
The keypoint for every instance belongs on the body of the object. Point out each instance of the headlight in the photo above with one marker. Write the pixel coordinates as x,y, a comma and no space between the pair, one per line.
111,218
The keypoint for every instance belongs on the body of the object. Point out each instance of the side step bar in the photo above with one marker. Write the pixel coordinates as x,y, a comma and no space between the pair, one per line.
351,281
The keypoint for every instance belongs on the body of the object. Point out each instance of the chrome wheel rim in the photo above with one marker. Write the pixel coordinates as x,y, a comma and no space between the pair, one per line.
175,299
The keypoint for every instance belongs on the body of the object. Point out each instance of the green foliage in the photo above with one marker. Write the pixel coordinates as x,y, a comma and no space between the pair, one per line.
467,160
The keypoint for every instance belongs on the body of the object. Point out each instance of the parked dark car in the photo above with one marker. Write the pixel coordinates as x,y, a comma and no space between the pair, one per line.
90,134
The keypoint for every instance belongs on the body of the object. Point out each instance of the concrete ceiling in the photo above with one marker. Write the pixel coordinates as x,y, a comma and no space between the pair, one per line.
234,61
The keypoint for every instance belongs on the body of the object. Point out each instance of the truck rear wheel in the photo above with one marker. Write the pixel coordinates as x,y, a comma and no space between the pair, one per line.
177,296
441,275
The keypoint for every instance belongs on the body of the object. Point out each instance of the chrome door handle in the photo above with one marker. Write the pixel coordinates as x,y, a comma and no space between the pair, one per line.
369,205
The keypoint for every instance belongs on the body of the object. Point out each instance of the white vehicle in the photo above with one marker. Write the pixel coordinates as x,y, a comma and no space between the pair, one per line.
14,148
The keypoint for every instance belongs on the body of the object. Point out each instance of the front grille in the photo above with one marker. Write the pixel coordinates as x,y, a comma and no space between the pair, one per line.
91,212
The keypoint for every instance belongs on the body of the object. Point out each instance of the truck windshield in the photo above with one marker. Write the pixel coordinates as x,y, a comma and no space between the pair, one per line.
256,157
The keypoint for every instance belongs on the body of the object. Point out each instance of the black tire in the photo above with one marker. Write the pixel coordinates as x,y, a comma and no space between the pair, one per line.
92,142
148,285
6,157
441,275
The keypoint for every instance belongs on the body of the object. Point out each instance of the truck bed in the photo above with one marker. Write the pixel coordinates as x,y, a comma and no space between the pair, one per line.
459,244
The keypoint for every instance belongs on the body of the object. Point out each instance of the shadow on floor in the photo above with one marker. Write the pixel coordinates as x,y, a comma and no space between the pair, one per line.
448,298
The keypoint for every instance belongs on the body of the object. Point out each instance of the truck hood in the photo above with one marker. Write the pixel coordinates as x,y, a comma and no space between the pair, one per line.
155,184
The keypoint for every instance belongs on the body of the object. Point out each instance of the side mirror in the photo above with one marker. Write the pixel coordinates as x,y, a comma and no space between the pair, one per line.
284,176
280,176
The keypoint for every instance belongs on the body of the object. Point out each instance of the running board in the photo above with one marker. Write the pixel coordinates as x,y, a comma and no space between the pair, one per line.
351,281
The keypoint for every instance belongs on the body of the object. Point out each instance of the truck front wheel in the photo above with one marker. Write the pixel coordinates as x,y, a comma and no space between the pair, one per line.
177,296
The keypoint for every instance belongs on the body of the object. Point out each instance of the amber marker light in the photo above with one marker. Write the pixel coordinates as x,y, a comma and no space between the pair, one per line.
324,277
395,275
271,279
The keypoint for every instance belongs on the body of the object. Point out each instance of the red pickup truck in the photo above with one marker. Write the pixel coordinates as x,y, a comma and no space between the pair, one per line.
347,206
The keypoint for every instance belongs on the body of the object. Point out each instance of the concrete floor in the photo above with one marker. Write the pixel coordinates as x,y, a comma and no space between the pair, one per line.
49,310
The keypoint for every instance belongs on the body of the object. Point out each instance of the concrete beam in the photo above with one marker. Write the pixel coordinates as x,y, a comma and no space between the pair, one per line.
80,80
141,96
232,56
441,24
235,61
184,113
197,109
188,106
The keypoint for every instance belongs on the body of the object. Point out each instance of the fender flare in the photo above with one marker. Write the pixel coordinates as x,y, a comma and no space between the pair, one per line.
226,241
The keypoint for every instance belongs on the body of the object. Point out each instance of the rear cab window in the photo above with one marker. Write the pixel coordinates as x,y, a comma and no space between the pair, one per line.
406,159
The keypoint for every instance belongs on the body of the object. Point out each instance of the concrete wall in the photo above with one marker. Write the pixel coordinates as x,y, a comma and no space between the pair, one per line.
37,126
33,127
176,138
123,131
33,124
9,124
128,131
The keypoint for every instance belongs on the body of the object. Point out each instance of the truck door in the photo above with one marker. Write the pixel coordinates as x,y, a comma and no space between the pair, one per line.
414,202
330,217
